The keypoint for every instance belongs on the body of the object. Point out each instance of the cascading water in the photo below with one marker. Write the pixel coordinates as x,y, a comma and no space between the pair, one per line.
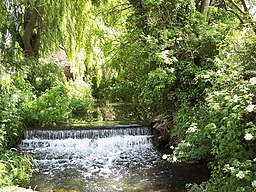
109,159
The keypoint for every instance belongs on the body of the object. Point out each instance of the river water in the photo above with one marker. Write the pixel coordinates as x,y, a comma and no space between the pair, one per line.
120,158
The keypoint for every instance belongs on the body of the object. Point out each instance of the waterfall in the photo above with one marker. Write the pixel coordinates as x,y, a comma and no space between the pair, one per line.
97,152
89,133
108,159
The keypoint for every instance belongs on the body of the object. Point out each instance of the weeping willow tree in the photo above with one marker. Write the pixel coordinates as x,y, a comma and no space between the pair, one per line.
31,30
88,31
36,26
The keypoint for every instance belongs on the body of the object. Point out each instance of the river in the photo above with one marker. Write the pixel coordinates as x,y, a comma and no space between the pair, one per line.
118,158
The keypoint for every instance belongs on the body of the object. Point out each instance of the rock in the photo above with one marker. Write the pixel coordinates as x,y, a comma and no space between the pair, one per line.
15,189
161,128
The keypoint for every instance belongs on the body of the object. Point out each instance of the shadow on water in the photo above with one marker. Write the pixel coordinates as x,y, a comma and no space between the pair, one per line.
110,159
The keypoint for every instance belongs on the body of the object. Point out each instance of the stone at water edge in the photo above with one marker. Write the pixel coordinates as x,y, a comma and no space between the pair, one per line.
15,189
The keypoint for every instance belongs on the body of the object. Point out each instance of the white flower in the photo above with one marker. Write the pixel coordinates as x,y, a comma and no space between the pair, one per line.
253,80
179,39
171,147
174,59
250,108
164,55
235,98
164,156
254,160
188,145
174,158
248,136
191,130
254,183
15,97
172,69
240,175
231,169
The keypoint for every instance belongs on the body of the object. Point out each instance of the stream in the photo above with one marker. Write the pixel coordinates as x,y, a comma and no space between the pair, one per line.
120,158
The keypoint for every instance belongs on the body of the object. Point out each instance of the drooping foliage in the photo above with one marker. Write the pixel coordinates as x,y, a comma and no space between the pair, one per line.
33,89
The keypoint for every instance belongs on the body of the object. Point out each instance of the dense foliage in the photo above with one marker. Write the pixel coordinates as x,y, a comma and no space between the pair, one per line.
223,126
193,60
14,167
199,66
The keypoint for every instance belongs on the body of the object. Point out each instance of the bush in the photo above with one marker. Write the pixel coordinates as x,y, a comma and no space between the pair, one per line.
14,92
11,126
44,75
80,98
15,169
50,108
224,126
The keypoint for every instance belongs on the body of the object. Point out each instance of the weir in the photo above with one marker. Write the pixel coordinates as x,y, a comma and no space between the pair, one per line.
121,158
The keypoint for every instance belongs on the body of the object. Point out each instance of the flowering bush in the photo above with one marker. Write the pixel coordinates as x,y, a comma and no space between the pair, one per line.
223,127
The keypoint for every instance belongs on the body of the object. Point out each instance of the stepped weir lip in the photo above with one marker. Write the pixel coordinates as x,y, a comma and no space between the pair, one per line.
111,159
90,125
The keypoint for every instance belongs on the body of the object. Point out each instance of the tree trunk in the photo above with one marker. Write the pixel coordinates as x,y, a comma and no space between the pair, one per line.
32,32
204,5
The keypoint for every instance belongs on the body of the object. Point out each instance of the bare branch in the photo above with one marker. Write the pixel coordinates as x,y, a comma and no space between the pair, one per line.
237,7
119,8
245,6
236,14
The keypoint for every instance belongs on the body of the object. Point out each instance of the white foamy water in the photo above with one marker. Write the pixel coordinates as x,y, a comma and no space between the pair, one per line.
100,153
114,159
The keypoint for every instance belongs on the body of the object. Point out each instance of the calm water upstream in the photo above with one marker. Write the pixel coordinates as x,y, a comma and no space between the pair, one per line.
108,159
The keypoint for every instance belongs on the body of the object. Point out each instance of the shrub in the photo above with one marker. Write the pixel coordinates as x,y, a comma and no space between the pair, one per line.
15,169
44,75
14,92
80,98
224,126
50,108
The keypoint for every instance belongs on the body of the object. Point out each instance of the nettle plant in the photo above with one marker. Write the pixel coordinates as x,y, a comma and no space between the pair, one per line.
223,127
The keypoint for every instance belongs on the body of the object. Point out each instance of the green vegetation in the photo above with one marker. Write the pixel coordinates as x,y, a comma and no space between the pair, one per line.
193,60
14,168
